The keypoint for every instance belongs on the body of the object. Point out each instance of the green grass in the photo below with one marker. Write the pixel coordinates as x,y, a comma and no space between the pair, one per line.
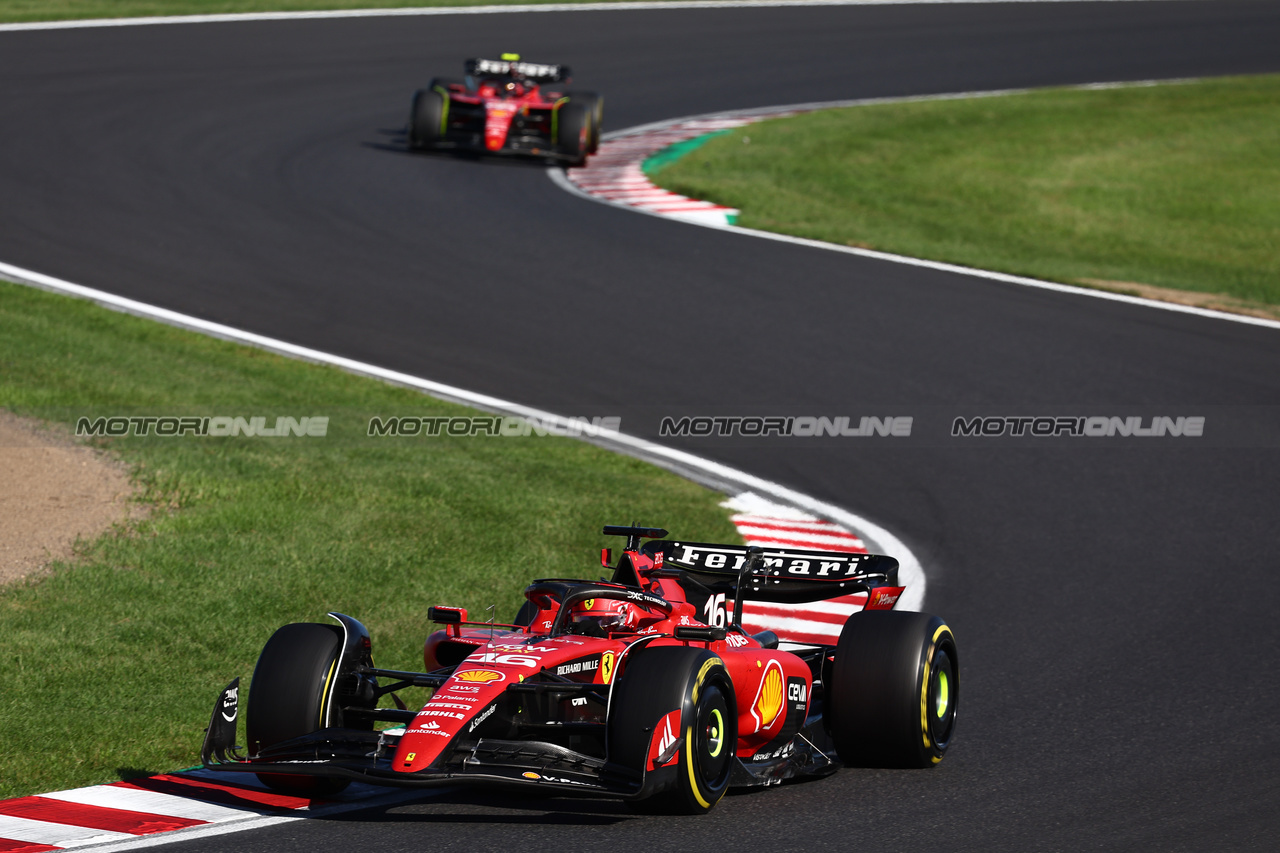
1176,186
14,11
110,663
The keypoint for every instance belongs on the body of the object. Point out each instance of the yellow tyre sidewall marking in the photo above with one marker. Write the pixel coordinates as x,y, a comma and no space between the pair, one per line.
702,675
707,665
924,689
924,700
324,697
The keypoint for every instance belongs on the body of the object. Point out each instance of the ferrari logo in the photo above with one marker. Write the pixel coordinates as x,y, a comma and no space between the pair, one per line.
606,667
589,604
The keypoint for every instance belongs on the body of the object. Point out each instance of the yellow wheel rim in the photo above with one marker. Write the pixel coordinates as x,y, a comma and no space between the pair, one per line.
715,736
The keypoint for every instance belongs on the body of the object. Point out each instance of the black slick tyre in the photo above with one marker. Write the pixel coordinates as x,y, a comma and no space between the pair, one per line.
426,118
893,690
289,697
595,116
655,682
573,132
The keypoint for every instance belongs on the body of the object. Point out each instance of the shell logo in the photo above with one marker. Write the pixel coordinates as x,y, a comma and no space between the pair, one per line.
768,702
479,676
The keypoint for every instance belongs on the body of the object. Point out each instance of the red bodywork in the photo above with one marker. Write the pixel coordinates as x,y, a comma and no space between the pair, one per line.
772,688
502,103
535,702
505,106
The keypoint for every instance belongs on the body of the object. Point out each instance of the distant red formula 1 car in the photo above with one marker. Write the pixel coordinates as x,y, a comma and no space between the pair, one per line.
505,106
612,688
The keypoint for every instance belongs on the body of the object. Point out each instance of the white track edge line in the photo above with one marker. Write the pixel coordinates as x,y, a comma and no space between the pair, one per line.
256,821
425,11
722,477
558,177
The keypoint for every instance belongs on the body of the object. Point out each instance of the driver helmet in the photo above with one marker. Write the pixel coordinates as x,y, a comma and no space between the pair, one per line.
515,83
605,614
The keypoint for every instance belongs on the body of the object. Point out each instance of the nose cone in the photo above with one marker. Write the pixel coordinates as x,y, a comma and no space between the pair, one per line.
463,698
497,123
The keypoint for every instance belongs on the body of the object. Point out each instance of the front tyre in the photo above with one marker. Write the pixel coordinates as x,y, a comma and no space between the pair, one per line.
426,118
289,697
573,132
595,116
893,690
694,681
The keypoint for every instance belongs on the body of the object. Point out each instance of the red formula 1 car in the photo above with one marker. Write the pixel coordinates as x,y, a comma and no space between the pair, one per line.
505,106
612,687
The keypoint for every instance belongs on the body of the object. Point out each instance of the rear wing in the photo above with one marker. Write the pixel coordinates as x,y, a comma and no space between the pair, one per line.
774,574
781,574
508,67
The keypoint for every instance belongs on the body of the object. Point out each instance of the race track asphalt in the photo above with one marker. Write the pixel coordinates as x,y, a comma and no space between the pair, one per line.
1115,600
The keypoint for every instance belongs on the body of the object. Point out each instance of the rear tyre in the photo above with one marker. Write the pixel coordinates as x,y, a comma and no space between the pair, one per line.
656,682
289,697
426,119
573,129
894,689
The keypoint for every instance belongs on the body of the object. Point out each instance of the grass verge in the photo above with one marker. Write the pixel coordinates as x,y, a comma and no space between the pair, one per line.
111,662
1137,189
22,11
